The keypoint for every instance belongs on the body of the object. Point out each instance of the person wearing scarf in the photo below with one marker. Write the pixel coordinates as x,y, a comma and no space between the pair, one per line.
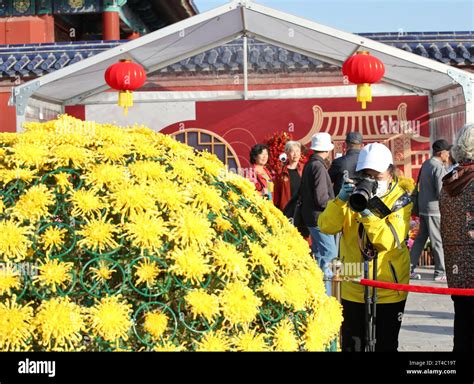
457,231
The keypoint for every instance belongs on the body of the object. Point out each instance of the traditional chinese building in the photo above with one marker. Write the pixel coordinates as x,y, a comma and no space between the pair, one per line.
38,37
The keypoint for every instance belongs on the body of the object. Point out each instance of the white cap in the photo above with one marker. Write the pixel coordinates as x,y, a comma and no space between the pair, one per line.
375,156
321,142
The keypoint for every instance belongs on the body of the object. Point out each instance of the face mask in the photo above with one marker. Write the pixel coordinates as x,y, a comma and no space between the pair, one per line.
382,188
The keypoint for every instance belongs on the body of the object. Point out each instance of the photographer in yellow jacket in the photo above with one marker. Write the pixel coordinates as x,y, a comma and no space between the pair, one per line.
383,231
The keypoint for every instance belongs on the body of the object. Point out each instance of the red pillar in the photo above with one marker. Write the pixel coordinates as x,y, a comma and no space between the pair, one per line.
111,25
7,114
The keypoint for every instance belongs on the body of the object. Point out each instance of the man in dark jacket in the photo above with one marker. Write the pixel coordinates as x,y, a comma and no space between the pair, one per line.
316,191
430,183
347,162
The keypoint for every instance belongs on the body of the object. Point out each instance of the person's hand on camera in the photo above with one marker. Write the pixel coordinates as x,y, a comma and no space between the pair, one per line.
366,213
345,192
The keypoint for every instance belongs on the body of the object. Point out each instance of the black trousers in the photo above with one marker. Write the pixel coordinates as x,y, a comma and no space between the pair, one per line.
463,323
388,323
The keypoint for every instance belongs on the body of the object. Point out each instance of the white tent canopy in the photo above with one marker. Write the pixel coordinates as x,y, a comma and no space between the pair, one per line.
82,82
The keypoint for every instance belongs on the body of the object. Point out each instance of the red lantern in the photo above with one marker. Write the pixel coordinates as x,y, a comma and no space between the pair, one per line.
125,77
363,69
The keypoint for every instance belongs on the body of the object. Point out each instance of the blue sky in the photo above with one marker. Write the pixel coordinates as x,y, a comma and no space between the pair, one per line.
376,15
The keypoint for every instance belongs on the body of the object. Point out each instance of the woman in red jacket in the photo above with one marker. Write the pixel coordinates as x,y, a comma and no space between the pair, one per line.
259,174
287,182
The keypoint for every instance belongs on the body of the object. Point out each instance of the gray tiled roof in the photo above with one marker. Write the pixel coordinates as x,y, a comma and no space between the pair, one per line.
30,60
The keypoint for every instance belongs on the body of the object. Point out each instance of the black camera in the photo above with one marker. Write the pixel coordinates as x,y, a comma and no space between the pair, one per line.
365,189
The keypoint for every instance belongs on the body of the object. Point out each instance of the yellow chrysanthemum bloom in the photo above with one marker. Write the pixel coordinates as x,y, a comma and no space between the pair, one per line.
172,147
281,252
223,224
30,154
53,273
113,153
250,221
60,325
85,203
244,185
16,327
203,304
323,325
296,294
168,195
214,341
207,197
190,264
62,181
9,278
312,277
132,199
274,290
230,263
239,304
210,163
145,231
105,175
146,148
147,271
98,235
26,175
34,204
284,338
233,197
65,154
190,228
146,170
260,257
168,346
156,324
250,341
14,240
183,172
103,273
110,318
53,238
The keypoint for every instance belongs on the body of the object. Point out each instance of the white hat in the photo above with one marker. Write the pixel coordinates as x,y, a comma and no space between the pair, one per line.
321,142
375,156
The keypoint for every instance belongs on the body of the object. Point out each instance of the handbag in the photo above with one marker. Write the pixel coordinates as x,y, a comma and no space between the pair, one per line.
293,211
415,211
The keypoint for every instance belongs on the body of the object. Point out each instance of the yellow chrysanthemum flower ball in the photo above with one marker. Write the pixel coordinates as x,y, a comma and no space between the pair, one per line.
124,239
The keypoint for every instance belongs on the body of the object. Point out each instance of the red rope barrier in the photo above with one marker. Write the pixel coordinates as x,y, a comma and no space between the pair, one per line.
417,288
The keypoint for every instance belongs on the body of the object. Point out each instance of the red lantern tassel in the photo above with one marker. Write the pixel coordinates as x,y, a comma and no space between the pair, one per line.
364,94
125,101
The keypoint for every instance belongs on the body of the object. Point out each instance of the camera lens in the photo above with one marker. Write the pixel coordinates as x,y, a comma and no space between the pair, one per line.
359,200
364,191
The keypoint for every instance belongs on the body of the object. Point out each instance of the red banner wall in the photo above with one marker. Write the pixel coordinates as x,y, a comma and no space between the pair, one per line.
400,122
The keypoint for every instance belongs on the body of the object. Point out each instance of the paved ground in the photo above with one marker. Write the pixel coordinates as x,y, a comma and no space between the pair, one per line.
428,321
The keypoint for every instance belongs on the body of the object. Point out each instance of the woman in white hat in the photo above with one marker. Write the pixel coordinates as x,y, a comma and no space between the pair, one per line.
386,235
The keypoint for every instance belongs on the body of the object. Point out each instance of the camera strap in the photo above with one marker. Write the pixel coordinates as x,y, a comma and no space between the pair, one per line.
395,234
401,202
365,245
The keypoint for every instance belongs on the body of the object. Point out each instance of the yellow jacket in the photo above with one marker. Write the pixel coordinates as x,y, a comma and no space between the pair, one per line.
393,264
